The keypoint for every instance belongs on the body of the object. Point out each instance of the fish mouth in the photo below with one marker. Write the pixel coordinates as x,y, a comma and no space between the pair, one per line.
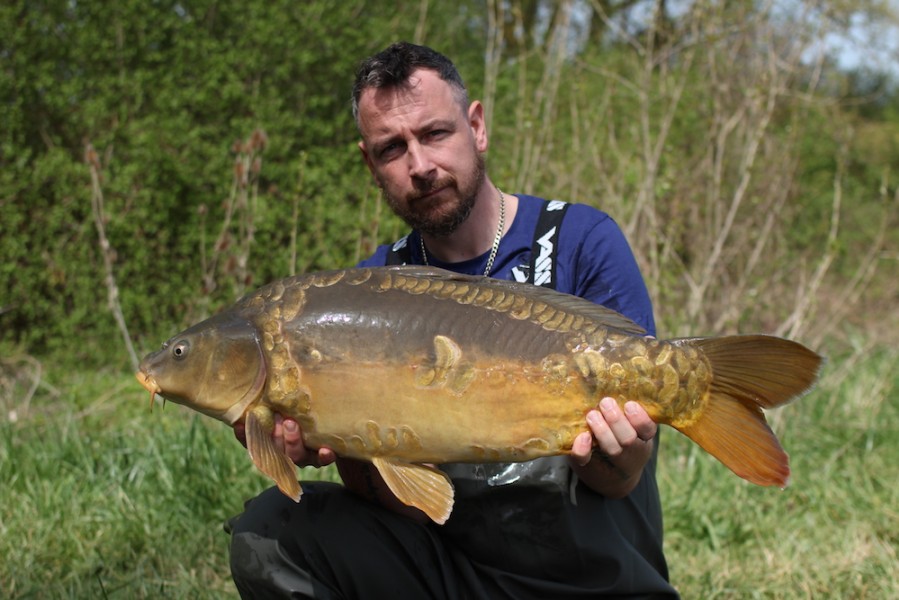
149,384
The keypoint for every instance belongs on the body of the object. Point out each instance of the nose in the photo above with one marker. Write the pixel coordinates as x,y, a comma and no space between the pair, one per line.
420,164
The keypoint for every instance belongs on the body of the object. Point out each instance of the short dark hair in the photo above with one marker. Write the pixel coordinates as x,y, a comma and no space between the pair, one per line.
392,67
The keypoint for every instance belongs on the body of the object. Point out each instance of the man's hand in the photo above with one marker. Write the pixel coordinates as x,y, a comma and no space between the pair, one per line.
288,437
611,456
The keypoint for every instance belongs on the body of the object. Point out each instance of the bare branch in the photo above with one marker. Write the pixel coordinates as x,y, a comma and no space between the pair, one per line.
106,250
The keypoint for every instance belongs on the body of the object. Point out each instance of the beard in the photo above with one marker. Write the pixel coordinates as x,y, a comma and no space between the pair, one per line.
440,217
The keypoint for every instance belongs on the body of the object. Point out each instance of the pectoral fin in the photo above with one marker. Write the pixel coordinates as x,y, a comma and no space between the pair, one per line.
266,456
425,488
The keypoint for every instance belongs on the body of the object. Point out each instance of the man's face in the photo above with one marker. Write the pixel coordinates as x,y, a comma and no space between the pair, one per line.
424,150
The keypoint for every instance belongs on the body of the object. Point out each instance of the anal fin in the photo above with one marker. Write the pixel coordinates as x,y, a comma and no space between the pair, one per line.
425,488
739,436
266,456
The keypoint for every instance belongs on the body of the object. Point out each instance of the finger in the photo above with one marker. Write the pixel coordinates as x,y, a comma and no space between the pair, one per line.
292,433
294,445
278,433
326,456
240,432
639,419
621,428
582,448
605,439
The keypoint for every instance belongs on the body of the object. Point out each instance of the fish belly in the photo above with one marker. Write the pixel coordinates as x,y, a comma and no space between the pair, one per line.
498,412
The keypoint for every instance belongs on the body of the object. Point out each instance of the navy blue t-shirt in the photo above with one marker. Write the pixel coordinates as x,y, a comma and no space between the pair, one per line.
531,530
594,259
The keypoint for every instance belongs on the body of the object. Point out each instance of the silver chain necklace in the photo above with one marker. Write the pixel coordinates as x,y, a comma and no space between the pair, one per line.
499,236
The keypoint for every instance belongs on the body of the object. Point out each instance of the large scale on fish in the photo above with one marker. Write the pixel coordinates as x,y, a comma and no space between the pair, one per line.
413,366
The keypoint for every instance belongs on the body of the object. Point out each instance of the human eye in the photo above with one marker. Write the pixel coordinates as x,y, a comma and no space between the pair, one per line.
437,134
389,151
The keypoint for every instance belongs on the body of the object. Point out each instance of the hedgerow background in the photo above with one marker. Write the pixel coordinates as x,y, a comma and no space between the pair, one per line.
159,159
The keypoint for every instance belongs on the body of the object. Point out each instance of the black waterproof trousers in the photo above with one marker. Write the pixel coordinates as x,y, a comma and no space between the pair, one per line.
334,544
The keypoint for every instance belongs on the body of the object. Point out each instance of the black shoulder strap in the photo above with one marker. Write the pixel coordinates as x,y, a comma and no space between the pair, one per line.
400,253
546,244
544,251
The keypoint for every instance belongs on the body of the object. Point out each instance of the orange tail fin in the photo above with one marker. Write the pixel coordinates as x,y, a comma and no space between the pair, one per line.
749,373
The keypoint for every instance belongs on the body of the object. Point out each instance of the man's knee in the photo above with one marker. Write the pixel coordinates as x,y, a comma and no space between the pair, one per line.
334,542
265,558
268,513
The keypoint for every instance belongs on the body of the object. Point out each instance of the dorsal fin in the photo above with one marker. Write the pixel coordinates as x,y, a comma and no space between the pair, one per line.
597,313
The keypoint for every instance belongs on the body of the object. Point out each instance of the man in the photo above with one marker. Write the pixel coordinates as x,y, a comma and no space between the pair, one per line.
558,527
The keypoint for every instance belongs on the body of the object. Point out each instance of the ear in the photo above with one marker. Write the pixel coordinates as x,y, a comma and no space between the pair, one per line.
367,159
478,125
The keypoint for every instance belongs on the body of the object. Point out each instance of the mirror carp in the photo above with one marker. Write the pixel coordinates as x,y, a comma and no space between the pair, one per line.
411,366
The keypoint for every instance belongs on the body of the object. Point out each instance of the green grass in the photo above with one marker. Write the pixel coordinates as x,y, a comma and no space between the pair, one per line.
101,498
832,533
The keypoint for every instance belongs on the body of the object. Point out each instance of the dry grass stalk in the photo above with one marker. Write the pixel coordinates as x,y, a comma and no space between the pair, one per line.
230,253
106,250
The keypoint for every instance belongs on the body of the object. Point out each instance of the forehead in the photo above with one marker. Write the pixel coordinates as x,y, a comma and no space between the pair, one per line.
423,95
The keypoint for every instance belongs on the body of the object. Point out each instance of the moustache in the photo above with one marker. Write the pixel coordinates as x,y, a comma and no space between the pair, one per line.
430,187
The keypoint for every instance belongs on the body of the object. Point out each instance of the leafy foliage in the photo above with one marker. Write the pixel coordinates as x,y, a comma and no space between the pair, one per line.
213,146
162,91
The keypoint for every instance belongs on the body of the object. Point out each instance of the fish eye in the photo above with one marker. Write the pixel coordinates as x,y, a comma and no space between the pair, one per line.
179,350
